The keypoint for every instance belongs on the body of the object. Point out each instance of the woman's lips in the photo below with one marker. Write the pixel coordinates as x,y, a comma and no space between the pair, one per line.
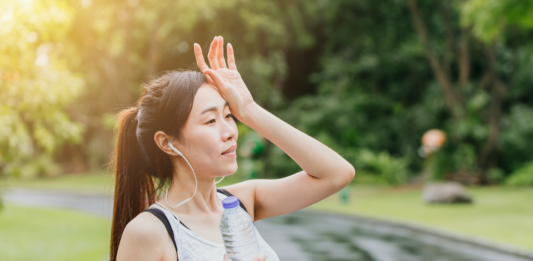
230,152
230,149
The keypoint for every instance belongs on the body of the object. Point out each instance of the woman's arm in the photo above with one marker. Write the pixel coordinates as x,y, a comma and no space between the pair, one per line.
324,171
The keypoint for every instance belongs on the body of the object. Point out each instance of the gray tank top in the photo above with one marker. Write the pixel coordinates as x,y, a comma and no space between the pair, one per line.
193,247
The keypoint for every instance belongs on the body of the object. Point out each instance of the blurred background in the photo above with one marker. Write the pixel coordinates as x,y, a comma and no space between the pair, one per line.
366,78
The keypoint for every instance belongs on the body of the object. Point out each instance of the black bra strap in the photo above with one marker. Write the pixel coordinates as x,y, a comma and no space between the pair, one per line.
225,192
161,216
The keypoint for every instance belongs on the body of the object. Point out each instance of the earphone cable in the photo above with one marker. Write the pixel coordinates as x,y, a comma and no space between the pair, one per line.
195,188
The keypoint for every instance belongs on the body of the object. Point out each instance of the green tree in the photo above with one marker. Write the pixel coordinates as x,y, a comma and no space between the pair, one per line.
475,99
354,74
376,90
36,86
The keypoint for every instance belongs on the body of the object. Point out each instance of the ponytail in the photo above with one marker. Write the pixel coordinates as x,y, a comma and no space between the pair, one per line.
134,188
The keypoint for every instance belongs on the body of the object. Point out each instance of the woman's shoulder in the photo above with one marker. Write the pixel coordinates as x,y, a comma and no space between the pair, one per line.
245,192
145,238
147,226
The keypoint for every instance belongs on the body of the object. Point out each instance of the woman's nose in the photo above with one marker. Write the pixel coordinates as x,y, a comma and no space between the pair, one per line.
229,130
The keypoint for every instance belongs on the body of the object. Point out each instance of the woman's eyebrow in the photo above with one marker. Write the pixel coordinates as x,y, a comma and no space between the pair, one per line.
213,108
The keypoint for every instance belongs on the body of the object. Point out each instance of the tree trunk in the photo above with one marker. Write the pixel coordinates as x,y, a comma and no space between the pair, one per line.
497,93
443,78
464,57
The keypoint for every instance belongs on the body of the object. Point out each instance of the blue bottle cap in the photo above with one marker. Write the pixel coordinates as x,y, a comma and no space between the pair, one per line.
230,202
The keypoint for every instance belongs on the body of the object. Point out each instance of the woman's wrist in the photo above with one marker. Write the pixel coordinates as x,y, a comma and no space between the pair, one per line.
248,113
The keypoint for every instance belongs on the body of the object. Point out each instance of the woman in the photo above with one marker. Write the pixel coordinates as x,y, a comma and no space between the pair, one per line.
182,133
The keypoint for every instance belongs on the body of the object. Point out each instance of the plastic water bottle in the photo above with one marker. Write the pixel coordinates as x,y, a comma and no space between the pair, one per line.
238,232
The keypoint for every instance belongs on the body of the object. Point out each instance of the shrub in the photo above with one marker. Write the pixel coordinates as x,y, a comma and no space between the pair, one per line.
391,170
522,176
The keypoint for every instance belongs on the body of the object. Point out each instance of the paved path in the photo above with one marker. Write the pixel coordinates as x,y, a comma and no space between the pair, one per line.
96,204
306,235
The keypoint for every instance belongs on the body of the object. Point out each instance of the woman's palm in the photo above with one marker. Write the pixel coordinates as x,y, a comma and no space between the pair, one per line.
234,78
230,83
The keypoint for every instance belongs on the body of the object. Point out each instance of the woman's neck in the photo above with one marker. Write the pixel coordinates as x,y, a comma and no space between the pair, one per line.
206,199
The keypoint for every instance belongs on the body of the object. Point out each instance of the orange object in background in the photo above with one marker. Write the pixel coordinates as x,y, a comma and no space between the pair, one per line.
433,138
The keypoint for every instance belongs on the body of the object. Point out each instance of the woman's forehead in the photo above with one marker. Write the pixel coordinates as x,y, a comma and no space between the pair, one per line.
207,97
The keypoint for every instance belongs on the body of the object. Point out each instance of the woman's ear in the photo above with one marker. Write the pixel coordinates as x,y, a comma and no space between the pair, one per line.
162,139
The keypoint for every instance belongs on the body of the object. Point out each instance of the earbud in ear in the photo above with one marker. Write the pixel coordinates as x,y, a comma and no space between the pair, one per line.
174,149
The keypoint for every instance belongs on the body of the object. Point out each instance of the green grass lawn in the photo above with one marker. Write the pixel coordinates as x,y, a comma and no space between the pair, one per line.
499,214
50,234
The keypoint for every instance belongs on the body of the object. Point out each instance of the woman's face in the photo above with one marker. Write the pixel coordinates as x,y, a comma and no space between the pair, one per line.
208,133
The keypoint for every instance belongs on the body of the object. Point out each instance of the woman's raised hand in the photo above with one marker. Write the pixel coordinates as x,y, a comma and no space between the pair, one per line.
228,81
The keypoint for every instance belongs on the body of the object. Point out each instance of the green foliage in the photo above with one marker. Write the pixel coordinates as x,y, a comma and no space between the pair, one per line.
495,175
38,166
370,83
391,170
453,159
251,146
517,137
375,68
35,85
352,74
490,17
522,176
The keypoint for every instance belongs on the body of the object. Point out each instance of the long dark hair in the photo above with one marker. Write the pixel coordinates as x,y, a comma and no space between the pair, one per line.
140,167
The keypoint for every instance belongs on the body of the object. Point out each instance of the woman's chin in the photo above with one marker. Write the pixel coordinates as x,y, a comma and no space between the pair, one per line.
231,170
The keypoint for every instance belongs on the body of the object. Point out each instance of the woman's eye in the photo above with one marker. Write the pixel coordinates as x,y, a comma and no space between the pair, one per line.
213,120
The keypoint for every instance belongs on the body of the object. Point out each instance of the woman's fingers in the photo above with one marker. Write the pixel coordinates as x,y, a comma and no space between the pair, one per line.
231,58
225,257
219,83
212,55
209,80
200,62
220,53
